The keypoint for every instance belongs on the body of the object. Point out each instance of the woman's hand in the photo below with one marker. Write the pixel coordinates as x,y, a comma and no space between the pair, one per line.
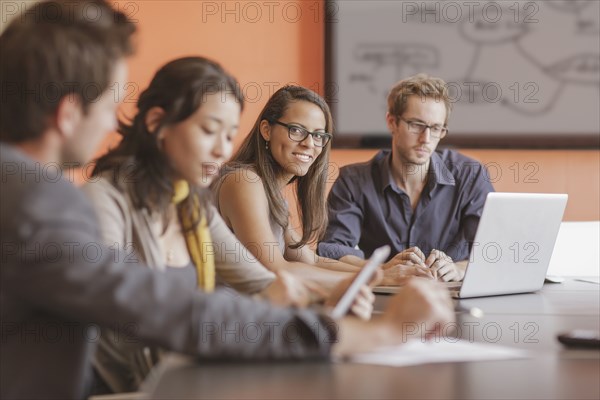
289,290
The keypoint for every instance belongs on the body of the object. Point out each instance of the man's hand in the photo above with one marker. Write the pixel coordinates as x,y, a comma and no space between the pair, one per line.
412,256
421,309
444,267
404,265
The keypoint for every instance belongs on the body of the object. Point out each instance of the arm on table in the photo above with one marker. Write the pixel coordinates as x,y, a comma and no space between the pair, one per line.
244,204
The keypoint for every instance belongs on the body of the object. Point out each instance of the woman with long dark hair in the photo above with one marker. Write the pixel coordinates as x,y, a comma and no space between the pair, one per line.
287,148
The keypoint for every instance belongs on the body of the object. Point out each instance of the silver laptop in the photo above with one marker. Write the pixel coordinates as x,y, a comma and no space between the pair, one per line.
513,245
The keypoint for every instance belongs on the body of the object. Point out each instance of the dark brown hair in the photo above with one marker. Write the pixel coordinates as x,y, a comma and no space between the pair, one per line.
55,50
179,88
310,188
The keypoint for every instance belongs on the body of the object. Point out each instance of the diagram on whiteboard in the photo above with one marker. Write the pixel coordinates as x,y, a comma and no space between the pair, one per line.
511,66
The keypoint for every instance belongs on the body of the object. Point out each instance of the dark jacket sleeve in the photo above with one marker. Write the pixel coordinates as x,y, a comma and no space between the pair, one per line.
58,265
345,220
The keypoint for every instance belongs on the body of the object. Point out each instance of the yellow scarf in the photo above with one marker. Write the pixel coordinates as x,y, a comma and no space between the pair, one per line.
198,240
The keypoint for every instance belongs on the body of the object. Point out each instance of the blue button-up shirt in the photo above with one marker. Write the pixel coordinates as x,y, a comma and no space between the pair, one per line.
367,209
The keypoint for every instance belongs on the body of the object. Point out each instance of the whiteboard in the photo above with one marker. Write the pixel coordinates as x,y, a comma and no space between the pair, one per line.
514,68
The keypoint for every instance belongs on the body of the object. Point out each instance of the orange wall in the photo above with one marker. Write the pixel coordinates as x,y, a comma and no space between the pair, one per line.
268,44
284,45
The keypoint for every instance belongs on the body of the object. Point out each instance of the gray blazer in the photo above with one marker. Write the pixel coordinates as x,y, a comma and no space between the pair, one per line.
58,281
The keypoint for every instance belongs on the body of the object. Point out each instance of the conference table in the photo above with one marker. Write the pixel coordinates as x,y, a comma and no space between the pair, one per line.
525,321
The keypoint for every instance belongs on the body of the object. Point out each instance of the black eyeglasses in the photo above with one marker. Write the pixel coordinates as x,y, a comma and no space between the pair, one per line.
298,134
416,128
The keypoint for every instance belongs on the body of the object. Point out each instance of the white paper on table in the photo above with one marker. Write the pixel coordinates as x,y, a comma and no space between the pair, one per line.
416,352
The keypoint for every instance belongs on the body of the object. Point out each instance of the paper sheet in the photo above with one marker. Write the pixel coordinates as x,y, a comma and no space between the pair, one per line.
416,352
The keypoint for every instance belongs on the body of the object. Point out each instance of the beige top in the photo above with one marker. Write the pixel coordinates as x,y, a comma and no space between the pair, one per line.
124,226
133,234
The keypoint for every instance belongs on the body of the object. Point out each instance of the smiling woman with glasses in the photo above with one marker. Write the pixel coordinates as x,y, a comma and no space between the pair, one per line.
288,148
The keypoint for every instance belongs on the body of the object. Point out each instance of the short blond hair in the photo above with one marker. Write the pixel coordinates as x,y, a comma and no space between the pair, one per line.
421,85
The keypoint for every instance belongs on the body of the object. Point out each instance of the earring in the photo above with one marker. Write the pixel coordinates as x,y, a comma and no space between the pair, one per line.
266,145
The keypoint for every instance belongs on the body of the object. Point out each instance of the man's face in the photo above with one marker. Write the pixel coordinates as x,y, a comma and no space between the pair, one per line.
101,119
416,148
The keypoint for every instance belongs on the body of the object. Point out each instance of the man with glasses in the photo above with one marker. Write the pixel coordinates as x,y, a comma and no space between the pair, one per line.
424,203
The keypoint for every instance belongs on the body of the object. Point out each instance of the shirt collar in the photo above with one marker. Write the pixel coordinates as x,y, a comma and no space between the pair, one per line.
437,168
384,160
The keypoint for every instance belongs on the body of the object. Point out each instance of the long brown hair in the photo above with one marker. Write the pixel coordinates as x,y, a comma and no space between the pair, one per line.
310,188
179,88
